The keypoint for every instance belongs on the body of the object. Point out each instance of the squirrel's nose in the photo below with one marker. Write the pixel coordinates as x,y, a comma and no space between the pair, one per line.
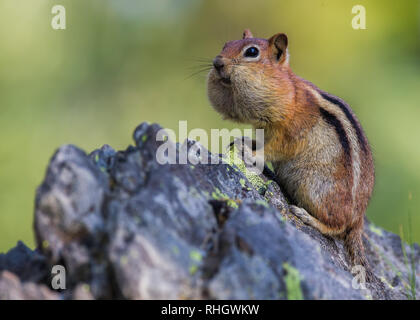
218,63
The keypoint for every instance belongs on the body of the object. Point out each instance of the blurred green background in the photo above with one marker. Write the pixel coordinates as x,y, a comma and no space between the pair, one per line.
121,62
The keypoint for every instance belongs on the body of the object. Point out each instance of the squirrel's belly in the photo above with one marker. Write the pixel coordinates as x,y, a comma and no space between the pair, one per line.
307,186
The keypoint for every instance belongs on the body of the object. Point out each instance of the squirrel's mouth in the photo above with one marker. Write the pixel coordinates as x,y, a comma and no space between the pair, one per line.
222,77
225,81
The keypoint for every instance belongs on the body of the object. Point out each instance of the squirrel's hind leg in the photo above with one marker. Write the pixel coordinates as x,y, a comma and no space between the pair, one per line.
310,220
352,239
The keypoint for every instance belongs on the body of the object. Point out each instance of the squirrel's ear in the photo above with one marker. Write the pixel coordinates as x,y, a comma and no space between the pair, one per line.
278,44
247,34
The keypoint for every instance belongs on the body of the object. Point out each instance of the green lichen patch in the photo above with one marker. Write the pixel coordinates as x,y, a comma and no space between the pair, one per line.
262,202
375,229
238,165
218,195
195,255
280,216
268,195
193,269
45,244
368,296
86,287
268,182
124,260
292,280
175,250
385,281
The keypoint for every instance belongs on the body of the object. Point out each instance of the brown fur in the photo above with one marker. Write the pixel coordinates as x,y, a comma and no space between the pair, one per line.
318,149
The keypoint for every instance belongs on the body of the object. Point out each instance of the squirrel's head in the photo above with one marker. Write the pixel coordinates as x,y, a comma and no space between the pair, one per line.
248,78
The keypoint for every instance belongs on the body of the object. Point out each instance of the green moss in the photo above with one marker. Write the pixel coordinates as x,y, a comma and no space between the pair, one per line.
292,280
242,182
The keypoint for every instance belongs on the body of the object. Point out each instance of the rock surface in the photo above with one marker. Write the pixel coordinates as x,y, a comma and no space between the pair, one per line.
125,226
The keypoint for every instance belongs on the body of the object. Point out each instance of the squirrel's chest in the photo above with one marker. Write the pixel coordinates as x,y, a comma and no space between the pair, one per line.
281,146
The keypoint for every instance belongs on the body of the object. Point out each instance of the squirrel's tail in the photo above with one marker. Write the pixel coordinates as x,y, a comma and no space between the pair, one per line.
354,245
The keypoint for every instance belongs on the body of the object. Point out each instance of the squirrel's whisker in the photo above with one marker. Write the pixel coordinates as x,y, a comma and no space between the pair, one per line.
198,72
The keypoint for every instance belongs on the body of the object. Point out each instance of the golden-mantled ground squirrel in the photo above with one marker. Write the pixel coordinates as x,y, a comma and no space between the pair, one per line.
319,151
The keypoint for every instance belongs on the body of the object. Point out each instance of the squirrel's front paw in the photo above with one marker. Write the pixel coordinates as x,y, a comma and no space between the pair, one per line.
245,149
243,143
302,214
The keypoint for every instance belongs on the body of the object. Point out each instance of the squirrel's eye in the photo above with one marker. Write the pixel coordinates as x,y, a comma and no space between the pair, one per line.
251,52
